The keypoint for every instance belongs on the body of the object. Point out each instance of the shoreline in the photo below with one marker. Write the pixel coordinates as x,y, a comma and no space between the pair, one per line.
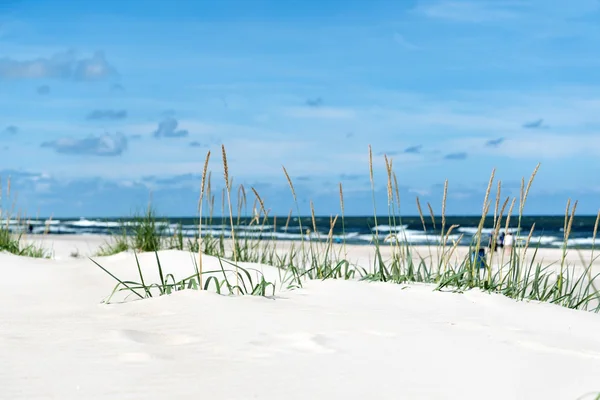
87,244
548,231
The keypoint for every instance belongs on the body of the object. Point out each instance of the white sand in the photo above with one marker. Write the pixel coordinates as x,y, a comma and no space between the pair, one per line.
329,340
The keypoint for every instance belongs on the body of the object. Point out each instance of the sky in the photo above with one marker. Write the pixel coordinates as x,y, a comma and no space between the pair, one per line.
107,104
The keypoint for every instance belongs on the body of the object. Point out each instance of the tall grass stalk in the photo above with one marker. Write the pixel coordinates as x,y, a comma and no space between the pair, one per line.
228,189
200,203
344,221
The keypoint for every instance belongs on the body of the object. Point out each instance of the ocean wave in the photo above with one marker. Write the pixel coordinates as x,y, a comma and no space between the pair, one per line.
541,239
473,230
85,223
387,228
57,229
25,222
588,241
408,237
356,230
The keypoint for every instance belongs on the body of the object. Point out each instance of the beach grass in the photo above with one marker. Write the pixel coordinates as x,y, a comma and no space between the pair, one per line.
144,232
220,281
512,274
10,241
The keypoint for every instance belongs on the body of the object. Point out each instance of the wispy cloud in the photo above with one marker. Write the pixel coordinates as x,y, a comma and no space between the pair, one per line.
316,102
403,42
117,87
168,128
319,113
537,124
105,145
456,156
543,145
556,147
494,142
107,115
414,149
65,66
11,130
351,177
175,180
43,90
197,144
468,11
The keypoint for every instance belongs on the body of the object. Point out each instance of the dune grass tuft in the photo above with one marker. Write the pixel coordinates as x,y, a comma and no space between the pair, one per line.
11,241
218,280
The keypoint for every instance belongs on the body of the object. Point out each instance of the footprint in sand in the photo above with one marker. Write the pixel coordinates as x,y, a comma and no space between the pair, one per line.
157,339
153,345
298,342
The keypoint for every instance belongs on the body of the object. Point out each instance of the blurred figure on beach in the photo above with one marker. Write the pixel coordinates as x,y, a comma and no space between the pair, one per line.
508,242
495,243
492,244
478,258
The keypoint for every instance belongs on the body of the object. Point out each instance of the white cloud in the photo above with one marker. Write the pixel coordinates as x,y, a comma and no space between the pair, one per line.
420,192
104,145
551,146
66,65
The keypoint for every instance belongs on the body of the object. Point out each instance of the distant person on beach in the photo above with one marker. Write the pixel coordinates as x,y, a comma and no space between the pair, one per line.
30,228
478,258
491,243
501,240
508,242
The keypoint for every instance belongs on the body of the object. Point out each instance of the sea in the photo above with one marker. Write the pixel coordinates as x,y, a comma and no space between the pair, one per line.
548,232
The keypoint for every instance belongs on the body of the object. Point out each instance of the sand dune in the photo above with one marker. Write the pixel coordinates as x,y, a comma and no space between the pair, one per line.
330,339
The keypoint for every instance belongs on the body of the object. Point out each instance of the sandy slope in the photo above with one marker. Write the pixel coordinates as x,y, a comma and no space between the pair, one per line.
332,339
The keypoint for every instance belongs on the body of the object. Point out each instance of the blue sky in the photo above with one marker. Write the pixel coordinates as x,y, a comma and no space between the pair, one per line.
102,102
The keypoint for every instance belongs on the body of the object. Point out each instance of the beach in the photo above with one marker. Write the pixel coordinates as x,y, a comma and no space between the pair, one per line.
327,339
72,246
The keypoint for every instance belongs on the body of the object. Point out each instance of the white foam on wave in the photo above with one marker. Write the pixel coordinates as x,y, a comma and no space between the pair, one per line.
589,241
408,237
57,230
542,239
85,223
30,222
473,230
388,228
